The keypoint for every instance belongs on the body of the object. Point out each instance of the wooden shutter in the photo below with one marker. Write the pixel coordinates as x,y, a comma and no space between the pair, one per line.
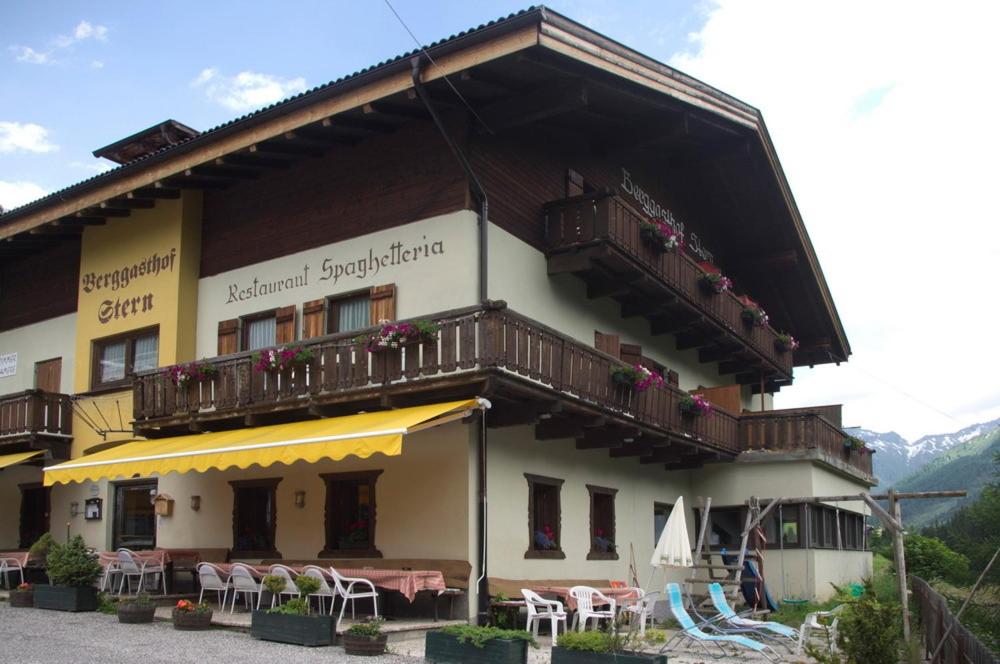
631,354
229,336
383,303
284,325
607,343
574,184
48,375
312,318
727,397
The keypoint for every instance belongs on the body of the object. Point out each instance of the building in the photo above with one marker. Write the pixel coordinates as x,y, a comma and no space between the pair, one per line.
308,222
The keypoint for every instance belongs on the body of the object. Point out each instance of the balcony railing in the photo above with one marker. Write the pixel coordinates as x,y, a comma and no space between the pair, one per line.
35,412
471,340
580,221
801,430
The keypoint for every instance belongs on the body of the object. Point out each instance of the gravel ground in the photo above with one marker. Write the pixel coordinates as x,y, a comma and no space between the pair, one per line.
32,636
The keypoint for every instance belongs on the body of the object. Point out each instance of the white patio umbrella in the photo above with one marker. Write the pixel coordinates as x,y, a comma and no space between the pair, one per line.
674,547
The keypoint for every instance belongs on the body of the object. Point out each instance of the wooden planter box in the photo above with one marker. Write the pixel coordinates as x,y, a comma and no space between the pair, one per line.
567,656
66,598
24,599
366,646
447,649
192,621
315,630
131,613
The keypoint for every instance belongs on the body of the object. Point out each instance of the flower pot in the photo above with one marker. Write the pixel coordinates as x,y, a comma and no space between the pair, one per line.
24,599
447,649
707,287
654,240
66,598
366,646
623,379
567,656
781,346
192,620
133,613
748,319
316,630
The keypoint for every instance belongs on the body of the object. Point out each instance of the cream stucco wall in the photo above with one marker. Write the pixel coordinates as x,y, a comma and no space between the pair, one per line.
424,284
37,342
10,501
518,274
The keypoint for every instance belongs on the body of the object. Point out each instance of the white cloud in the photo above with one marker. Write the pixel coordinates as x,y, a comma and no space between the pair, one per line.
95,167
895,184
28,136
30,55
97,64
83,31
14,194
247,90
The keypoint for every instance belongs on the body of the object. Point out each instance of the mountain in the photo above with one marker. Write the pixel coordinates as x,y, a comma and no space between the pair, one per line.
966,465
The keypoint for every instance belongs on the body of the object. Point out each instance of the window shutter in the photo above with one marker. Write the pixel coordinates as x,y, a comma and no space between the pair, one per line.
312,319
607,343
229,336
383,303
631,354
284,328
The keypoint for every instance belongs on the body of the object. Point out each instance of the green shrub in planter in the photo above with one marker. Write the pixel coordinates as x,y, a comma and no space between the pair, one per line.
602,648
136,610
290,622
73,570
467,644
365,638
40,549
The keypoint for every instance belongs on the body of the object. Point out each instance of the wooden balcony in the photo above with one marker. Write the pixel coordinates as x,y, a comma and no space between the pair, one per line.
596,237
530,372
809,432
35,419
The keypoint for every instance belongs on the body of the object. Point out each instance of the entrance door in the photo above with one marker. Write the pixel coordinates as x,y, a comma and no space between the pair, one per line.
135,521
34,514
48,375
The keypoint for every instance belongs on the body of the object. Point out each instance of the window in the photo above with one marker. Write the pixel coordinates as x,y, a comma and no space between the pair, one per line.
826,522
661,512
348,313
260,331
117,358
602,523
544,517
350,515
134,519
255,518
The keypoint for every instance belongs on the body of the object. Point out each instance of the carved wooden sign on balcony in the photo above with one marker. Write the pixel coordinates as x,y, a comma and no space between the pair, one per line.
653,208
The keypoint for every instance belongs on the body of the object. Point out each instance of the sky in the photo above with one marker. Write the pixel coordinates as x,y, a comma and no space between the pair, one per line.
882,113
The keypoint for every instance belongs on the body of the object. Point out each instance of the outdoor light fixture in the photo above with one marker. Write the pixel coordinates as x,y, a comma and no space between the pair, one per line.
300,498
74,509
195,503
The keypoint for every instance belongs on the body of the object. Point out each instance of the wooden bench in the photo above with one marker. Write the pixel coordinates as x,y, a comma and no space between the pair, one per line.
512,587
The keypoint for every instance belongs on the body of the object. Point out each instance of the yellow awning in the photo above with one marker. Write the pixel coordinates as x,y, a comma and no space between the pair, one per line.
333,438
14,459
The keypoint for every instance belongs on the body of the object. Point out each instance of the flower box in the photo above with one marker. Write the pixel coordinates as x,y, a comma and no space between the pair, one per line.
314,630
661,236
365,646
191,621
713,283
695,405
447,649
24,599
785,343
133,613
567,656
66,598
754,316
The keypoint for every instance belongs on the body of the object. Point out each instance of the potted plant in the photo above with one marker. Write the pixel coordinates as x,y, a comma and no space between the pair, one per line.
293,622
754,316
468,644
661,236
695,405
190,617
852,444
182,375
713,283
365,638
273,360
394,335
135,610
23,596
785,343
72,569
638,377
600,648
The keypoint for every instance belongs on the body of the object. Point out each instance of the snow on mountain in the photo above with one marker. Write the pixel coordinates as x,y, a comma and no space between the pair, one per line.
932,446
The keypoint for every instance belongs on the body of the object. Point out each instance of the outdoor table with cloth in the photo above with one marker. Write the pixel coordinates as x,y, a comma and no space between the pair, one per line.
562,593
406,582
162,557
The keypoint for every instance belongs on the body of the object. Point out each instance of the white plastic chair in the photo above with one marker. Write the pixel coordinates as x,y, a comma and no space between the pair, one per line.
9,566
242,580
325,590
812,624
159,569
641,608
109,571
345,588
289,575
210,578
540,609
584,596
130,566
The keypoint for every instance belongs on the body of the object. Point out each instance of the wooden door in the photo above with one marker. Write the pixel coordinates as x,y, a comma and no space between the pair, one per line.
48,375
34,514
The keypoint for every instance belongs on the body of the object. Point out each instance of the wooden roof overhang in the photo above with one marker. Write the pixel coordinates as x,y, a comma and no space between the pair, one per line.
532,68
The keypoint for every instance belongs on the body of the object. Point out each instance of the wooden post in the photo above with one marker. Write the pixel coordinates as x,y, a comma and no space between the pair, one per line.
899,553
961,610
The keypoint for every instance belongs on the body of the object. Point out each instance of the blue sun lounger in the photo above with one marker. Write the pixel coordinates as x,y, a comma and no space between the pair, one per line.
693,632
731,618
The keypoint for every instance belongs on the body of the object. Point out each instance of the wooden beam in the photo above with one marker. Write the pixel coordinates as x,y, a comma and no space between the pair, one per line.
129,203
158,191
253,161
543,102
317,138
367,124
556,427
56,230
395,110
225,172
285,148
187,182
103,210
81,221
888,519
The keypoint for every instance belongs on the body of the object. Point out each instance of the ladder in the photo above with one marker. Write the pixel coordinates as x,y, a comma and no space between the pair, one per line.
732,575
